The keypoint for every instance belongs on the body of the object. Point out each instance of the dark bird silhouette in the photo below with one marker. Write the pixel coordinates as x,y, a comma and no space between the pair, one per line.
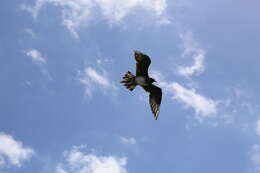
142,78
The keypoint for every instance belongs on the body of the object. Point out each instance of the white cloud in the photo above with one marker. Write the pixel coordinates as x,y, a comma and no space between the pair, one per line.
191,48
130,140
96,77
13,152
39,60
258,127
30,32
255,156
163,21
77,12
36,56
2,161
92,79
34,10
77,161
203,106
60,169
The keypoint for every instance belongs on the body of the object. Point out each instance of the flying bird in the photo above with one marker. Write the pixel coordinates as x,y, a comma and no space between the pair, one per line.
142,79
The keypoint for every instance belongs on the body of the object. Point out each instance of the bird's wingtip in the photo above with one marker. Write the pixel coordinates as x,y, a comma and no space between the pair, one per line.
156,116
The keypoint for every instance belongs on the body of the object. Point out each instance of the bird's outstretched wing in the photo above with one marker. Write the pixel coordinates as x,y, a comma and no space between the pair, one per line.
142,64
155,99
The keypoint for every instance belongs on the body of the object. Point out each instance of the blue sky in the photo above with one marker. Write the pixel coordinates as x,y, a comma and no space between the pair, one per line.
63,109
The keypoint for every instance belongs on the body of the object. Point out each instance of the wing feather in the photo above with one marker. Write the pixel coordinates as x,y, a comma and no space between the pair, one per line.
142,64
155,99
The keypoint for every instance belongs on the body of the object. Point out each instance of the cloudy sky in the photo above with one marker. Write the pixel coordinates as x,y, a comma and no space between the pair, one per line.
63,110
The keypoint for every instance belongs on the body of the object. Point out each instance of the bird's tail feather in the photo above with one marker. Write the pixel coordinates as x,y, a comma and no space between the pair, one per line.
129,81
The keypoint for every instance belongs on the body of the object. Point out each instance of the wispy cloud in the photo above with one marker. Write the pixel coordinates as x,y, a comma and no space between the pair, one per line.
236,104
203,106
78,161
92,80
30,32
12,152
255,156
130,140
192,49
77,12
97,78
37,57
258,127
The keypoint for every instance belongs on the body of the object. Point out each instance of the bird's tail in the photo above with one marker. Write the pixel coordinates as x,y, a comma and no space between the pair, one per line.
129,81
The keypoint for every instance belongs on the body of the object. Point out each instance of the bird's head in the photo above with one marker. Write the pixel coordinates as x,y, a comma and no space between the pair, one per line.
152,80
137,52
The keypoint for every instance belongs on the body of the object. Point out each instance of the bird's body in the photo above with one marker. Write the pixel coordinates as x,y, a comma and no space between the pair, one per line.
142,81
142,78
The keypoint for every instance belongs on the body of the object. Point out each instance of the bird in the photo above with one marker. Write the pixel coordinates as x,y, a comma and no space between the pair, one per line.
142,79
